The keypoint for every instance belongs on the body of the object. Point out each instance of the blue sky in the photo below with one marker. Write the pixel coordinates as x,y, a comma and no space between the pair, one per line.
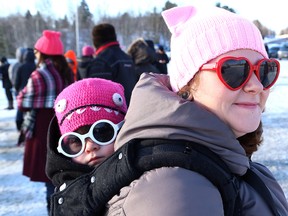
270,13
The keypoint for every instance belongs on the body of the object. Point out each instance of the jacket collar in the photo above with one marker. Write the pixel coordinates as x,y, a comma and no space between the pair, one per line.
101,48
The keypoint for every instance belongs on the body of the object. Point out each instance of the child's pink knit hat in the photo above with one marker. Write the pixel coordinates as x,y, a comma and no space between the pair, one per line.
50,43
87,101
200,35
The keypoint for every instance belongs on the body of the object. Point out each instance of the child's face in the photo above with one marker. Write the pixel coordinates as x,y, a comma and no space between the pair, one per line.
93,153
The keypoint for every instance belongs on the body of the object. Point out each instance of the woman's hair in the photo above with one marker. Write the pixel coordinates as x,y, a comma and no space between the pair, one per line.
60,65
250,141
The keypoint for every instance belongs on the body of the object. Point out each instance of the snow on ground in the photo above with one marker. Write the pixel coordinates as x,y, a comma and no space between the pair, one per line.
18,195
21,197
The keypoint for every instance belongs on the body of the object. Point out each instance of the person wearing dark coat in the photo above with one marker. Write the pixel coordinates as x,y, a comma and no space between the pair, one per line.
22,75
162,60
110,61
84,61
143,57
15,66
7,85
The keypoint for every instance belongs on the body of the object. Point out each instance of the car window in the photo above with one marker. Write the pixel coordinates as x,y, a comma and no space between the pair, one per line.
284,48
273,49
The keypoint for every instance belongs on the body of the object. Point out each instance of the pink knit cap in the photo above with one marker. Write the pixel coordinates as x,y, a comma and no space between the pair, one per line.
87,51
50,43
200,35
87,101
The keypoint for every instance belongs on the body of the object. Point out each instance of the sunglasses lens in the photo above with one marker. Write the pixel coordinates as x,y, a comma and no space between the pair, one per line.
71,144
268,72
235,72
103,132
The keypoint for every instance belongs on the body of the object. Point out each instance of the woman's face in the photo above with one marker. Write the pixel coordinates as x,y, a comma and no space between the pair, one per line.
37,54
240,109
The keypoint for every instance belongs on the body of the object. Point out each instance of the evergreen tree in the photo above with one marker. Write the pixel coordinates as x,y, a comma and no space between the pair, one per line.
84,15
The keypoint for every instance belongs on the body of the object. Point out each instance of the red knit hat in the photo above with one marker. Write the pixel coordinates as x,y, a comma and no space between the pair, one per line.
86,101
50,43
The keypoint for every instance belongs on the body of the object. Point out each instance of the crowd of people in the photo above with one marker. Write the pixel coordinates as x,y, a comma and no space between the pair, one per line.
115,133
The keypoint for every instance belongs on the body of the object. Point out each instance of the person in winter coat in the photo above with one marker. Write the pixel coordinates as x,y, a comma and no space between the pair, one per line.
22,75
162,59
71,58
143,57
213,98
110,61
24,71
14,67
6,82
215,95
89,114
37,99
84,61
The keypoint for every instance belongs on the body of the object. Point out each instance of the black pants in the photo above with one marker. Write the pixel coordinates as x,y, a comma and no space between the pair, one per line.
8,94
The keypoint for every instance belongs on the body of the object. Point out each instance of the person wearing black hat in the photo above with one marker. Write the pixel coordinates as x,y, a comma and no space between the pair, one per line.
7,85
143,57
110,61
162,59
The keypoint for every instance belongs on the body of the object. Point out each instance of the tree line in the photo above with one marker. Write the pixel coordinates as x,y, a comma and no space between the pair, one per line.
23,30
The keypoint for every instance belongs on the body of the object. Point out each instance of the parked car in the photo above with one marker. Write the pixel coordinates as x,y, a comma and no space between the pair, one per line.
283,51
273,51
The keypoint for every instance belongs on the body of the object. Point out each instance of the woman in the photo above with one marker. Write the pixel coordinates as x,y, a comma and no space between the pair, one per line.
143,57
213,99
51,76
220,80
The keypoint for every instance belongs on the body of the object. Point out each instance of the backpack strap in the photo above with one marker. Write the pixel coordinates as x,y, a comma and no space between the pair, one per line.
257,184
162,153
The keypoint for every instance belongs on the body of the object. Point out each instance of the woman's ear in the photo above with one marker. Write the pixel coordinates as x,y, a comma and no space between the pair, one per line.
186,93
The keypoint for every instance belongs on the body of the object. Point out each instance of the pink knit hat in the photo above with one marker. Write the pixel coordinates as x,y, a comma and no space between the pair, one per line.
50,43
87,51
200,35
87,101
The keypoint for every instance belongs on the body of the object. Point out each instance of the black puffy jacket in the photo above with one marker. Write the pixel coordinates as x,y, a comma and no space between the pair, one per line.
114,64
24,71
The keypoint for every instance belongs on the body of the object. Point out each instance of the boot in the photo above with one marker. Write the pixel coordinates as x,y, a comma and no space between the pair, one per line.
10,105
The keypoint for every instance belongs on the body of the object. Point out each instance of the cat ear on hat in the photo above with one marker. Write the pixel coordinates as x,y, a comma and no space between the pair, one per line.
51,34
176,17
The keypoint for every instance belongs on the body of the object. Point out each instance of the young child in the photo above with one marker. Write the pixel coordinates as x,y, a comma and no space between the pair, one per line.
89,114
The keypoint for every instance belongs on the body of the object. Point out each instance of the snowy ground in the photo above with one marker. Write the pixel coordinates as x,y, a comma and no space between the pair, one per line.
19,196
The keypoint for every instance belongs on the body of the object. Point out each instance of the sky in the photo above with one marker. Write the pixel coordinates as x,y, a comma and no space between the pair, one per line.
270,13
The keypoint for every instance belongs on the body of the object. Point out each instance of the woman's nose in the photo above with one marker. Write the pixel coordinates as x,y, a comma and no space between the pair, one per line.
253,85
91,145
